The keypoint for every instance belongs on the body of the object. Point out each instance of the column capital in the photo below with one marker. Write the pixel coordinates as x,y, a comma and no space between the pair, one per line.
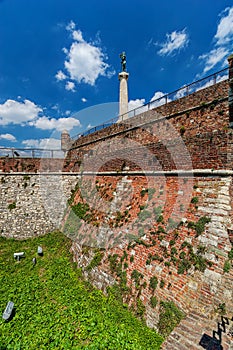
123,75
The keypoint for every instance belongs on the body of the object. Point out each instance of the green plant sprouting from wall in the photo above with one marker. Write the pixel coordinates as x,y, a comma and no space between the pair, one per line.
12,206
95,261
169,317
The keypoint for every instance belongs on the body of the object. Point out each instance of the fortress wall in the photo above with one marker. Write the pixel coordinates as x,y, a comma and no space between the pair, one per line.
194,136
202,131
203,286
179,111
32,205
30,165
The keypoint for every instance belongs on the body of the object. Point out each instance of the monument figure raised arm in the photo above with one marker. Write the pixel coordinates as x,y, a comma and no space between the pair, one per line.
123,61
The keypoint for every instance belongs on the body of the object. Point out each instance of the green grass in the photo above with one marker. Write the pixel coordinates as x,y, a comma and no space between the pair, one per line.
56,309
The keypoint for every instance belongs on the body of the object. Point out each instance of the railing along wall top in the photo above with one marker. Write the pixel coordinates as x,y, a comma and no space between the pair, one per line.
184,91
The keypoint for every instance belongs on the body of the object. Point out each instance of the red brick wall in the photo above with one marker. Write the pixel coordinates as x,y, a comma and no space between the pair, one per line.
202,289
27,165
193,135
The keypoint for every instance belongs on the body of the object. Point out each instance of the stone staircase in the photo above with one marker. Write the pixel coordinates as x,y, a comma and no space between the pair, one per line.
197,329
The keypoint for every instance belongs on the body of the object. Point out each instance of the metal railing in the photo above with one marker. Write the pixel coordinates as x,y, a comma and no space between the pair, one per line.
8,152
166,98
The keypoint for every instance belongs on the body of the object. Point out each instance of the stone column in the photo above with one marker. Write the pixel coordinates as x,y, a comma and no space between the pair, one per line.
230,95
123,101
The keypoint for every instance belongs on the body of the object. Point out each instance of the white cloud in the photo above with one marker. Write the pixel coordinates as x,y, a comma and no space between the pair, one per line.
71,26
133,104
85,61
8,137
212,58
222,77
60,124
180,93
47,143
14,112
55,107
225,28
158,99
60,76
77,35
65,50
83,99
223,40
70,86
136,107
175,41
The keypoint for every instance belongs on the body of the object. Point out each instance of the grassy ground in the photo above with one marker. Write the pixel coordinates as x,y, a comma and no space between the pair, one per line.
55,309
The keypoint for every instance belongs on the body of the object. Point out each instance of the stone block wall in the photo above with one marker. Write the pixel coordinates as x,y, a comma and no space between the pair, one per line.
34,204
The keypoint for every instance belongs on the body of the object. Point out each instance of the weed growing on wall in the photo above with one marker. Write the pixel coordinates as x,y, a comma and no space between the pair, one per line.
169,317
12,206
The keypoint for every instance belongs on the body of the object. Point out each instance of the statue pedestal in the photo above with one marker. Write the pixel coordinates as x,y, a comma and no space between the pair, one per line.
123,100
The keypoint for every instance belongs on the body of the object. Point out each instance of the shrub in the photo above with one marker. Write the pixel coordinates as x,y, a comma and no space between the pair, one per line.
186,244
182,130
136,276
113,261
140,309
194,200
12,206
183,266
162,283
221,308
227,266
153,282
161,230
199,263
173,251
200,225
160,219
80,210
230,254
182,255
169,317
191,225
95,261
153,301
143,192
131,258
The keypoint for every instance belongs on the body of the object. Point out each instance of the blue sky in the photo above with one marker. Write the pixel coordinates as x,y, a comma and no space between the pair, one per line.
59,60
